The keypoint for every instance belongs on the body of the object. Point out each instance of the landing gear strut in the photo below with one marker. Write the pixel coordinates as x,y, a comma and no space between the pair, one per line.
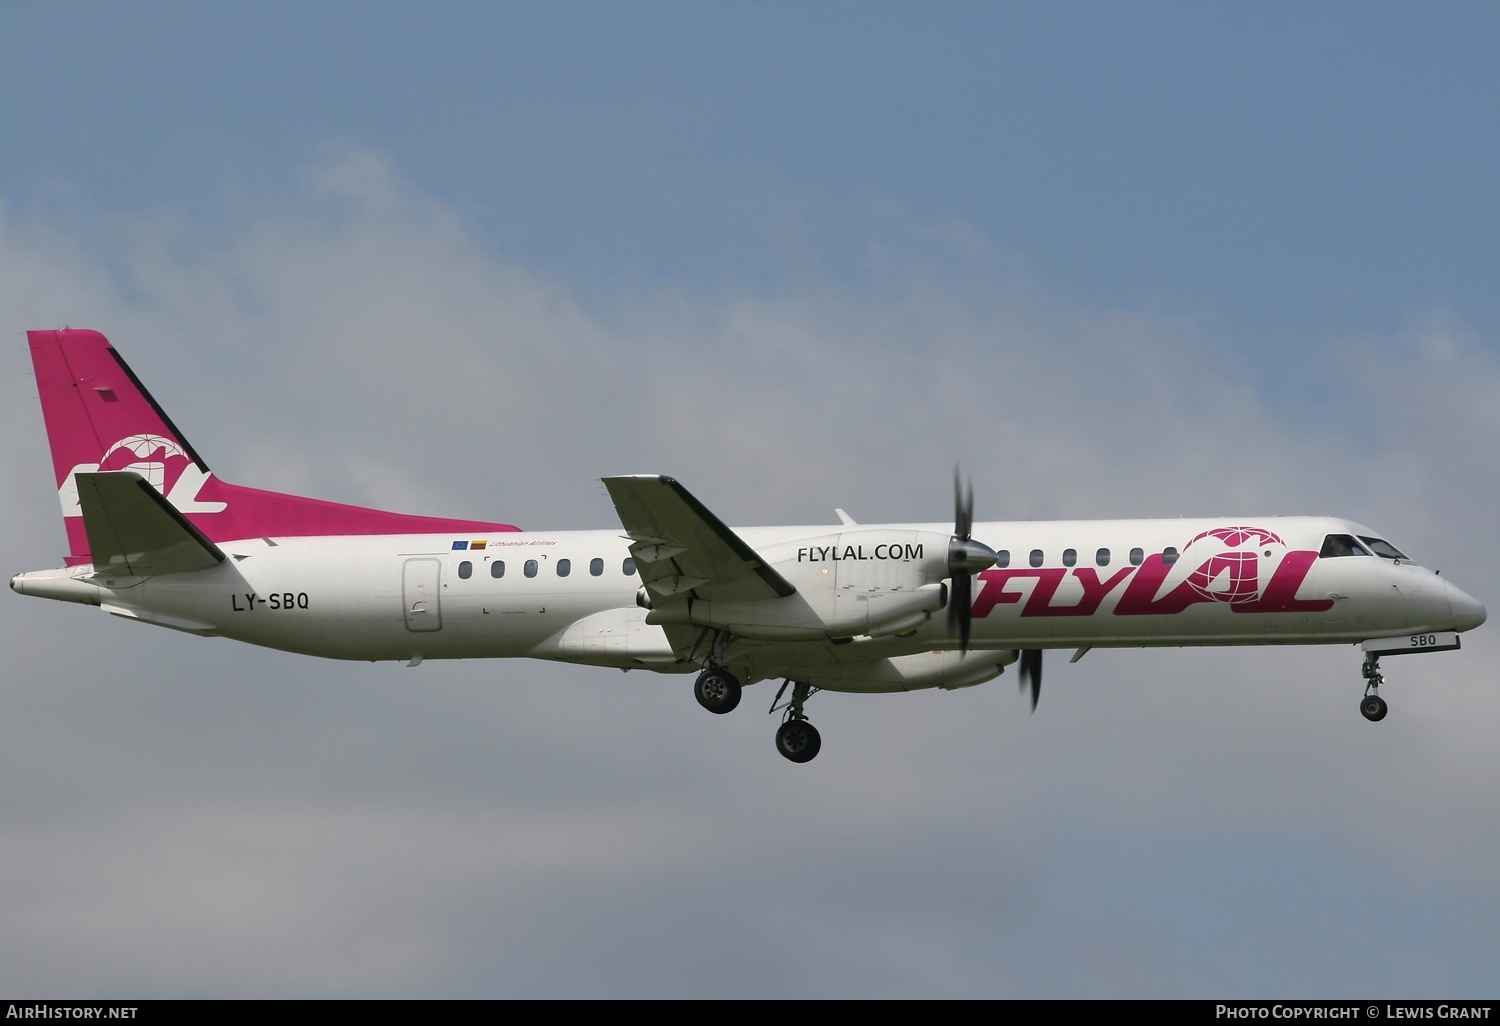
717,690
796,739
1372,705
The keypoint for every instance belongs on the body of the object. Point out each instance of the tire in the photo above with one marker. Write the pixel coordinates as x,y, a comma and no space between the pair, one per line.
1373,708
717,691
798,741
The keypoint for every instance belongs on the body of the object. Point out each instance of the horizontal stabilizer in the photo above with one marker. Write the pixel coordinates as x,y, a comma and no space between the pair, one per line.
135,532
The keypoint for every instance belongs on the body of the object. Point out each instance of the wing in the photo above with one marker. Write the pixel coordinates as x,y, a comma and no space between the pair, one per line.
133,530
681,548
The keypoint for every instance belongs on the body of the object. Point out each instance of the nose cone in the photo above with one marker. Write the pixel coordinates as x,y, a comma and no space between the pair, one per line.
1468,613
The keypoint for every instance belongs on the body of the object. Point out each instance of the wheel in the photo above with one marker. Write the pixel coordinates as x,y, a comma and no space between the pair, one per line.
798,740
717,691
1373,707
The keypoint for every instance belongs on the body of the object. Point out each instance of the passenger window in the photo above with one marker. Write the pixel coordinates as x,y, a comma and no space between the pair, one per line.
465,570
1169,555
1137,557
1102,557
1036,557
564,567
497,568
628,567
530,568
1070,557
596,566
1002,558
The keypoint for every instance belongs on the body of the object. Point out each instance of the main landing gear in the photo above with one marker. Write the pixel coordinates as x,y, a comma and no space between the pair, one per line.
796,739
1372,705
719,691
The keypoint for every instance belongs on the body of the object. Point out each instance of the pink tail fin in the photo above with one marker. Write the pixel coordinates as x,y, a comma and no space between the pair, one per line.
100,418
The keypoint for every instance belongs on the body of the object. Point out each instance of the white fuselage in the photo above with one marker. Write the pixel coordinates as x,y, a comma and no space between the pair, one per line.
573,595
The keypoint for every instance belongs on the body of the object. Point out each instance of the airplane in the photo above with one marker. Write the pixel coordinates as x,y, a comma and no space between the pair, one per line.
156,537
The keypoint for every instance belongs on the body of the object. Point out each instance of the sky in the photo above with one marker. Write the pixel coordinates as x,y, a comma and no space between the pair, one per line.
1155,259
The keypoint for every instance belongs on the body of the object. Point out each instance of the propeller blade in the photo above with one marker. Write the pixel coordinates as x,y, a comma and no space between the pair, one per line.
963,507
1031,673
960,608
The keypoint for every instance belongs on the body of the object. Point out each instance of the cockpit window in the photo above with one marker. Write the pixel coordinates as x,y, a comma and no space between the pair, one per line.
1341,545
1384,549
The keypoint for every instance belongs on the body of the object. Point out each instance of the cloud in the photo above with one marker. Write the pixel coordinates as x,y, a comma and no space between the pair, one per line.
193,817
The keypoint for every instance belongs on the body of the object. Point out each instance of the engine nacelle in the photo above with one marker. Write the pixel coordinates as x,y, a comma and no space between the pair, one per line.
946,670
862,581
795,619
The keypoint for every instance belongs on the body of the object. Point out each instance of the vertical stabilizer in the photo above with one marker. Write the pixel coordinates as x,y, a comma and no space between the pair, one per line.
101,418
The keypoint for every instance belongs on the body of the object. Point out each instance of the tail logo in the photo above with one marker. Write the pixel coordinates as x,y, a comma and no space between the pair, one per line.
158,459
144,448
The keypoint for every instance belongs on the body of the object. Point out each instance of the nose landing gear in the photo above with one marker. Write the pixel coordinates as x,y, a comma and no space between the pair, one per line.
1372,706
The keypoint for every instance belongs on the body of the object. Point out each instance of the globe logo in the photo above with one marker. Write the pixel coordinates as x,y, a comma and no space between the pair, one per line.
144,454
1229,562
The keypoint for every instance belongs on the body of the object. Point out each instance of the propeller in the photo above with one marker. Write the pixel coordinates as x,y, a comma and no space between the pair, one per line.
1031,673
966,557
